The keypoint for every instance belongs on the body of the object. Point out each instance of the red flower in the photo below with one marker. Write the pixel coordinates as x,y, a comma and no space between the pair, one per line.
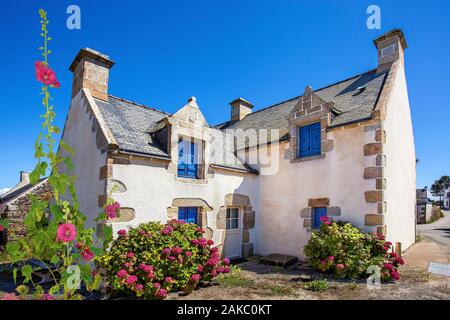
2,228
87,254
45,74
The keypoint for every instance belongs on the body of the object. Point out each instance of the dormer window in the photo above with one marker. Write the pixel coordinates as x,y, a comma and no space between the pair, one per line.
188,159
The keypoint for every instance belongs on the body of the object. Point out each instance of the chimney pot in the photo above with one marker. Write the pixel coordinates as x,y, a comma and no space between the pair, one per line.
24,177
91,71
391,47
240,108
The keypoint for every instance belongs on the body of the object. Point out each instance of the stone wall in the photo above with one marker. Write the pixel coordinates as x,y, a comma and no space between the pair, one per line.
16,210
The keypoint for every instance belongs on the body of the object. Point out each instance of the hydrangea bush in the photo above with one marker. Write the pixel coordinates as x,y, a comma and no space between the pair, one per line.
345,251
155,259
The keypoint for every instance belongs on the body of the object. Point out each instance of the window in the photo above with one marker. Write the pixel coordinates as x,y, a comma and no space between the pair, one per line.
187,159
232,218
309,140
188,214
318,213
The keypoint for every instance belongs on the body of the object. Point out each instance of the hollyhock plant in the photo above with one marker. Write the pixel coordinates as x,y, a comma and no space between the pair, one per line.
87,254
67,232
166,262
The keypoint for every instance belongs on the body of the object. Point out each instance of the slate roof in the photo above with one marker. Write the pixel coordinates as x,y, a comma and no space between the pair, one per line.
351,104
130,122
15,193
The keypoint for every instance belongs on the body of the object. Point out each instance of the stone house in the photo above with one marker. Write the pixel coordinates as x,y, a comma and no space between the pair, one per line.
260,182
424,206
15,204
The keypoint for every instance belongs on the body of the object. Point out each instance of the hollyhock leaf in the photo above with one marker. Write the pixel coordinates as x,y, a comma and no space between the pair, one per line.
26,273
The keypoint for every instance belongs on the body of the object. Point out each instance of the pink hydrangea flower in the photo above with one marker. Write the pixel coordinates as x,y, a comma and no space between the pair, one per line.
127,264
141,232
210,242
188,254
200,268
131,280
130,255
323,218
122,233
167,230
226,269
139,287
47,296
226,261
195,277
166,251
394,274
331,258
340,266
10,296
168,279
171,258
214,250
122,273
157,285
66,232
161,293
176,250
195,241
200,230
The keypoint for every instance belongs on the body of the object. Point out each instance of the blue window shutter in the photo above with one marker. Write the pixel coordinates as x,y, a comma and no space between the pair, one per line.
318,213
309,140
181,158
304,141
315,139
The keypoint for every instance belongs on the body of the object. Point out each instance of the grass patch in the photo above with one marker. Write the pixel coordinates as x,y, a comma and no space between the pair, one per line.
280,290
233,280
316,285
418,237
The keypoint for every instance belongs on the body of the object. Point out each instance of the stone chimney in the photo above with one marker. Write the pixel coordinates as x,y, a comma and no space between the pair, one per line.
391,47
240,108
24,177
91,71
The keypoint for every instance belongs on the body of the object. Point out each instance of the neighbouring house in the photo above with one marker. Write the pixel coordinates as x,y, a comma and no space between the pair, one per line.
446,201
424,206
15,204
260,182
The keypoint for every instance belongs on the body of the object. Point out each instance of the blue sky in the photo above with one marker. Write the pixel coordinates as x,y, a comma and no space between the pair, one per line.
264,51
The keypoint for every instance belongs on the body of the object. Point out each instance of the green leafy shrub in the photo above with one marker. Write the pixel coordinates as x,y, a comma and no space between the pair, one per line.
154,259
316,285
342,249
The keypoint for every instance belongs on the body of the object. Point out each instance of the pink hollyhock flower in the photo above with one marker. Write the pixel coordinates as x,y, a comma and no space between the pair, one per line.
66,232
331,258
176,250
122,233
130,255
112,210
195,277
131,280
45,74
87,254
122,273
226,261
139,287
157,285
340,266
161,293
200,268
188,254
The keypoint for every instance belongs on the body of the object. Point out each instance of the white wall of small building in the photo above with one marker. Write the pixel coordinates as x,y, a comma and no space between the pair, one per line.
400,171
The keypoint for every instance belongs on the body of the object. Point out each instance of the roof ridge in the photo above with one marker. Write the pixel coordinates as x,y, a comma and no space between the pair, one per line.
287,100
138,104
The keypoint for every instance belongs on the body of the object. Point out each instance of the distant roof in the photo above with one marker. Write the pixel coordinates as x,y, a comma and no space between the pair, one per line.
354,98
15,193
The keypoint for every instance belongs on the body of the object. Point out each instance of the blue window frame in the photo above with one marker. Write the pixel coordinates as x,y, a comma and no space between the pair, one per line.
188,159
188,214
309,140
318,213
